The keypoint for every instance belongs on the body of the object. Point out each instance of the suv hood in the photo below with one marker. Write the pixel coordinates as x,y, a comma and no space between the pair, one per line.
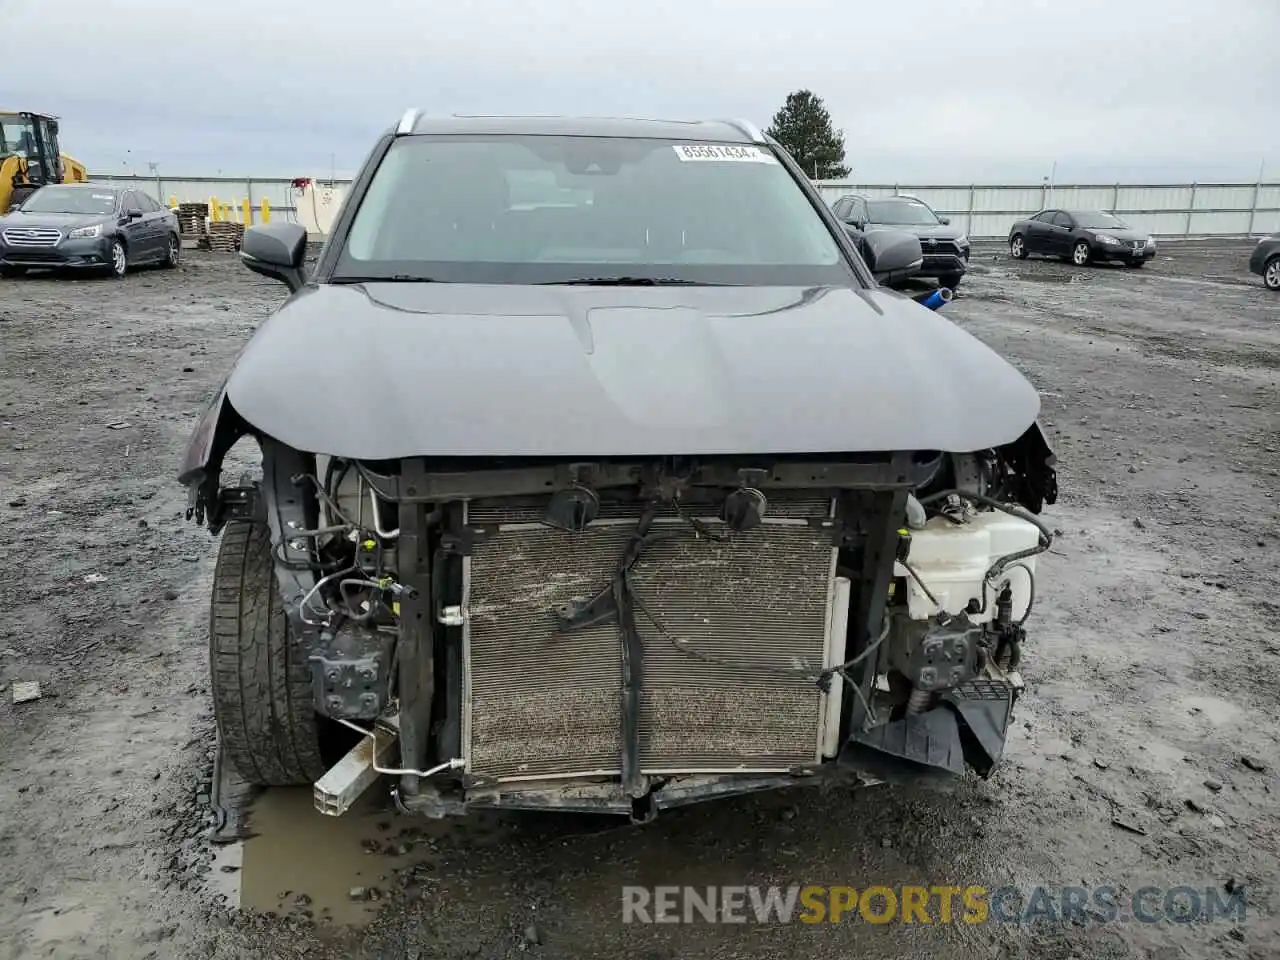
387,370
939,231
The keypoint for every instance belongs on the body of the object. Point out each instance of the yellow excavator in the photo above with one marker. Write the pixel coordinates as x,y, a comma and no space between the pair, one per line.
30,157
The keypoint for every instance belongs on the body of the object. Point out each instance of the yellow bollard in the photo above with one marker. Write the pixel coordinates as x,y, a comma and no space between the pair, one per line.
266,210
246,210
173,202
214,209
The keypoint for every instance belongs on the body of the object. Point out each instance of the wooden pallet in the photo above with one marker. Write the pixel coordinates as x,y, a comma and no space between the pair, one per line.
225,236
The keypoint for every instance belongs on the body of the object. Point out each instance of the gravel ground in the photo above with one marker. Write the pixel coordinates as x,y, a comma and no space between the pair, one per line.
1152,671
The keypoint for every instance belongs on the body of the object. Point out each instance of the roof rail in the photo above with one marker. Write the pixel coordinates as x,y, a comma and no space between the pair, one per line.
748,128
408,121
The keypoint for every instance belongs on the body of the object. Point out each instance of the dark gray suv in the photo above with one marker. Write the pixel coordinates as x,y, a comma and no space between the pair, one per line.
945,248
631,492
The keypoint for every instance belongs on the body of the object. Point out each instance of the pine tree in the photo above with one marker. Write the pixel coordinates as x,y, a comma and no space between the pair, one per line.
803,127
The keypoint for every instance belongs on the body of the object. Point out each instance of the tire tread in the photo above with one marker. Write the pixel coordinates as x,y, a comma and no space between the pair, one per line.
261,689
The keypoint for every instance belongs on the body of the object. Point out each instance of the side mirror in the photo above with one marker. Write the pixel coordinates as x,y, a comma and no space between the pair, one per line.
276,250
944,220
133,214
892,255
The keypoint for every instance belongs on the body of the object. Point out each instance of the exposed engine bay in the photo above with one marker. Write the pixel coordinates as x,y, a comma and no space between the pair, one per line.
621,636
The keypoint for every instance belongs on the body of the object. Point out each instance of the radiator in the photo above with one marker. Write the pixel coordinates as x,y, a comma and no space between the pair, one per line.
728,676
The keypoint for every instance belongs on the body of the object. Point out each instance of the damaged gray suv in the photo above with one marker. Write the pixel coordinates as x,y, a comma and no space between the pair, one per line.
599,474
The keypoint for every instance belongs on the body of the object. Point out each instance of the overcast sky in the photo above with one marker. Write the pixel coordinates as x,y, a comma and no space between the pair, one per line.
937,90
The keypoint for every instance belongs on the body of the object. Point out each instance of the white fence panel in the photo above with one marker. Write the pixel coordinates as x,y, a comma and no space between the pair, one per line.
1219,224
1012,200
1083,198
1236,197
1265,222
1269,196
1153,199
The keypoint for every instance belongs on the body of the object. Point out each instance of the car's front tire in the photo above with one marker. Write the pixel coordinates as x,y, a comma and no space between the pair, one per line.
118,260
1271,273
261,683
950,280
12,273
1018,247
1081,253
1135,263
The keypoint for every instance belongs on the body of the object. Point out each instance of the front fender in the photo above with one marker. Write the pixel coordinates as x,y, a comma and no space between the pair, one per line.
219,427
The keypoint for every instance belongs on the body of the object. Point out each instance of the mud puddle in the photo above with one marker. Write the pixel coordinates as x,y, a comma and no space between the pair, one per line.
293,860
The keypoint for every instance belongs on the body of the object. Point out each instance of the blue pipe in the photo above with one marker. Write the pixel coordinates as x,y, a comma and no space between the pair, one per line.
936,298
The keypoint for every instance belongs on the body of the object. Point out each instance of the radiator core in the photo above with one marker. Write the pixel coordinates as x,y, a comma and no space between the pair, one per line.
733,633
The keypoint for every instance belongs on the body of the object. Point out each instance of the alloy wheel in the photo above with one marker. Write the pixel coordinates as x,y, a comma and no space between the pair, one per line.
1080,255
1272,275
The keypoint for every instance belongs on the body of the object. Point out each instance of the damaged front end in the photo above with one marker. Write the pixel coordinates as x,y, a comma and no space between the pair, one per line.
622,635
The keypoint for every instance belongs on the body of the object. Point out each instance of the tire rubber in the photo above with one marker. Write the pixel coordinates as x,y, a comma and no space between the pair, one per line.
262,696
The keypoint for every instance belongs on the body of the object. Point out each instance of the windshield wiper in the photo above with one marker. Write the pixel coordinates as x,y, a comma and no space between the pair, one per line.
630,282
393,278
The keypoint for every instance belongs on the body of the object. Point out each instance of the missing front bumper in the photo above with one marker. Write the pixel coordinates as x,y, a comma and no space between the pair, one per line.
967,729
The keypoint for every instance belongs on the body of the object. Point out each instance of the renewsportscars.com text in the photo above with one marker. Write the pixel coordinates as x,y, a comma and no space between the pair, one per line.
939,904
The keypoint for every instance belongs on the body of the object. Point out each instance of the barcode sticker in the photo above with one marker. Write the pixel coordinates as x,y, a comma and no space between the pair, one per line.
723,152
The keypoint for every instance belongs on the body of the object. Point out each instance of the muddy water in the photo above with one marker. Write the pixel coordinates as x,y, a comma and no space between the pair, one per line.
335,869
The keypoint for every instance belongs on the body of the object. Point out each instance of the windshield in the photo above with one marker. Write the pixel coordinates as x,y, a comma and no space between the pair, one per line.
70,200
1104,221
549,209
17,136
900,211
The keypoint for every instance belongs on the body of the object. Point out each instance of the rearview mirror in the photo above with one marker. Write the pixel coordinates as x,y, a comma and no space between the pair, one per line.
944,220
133,213
276,250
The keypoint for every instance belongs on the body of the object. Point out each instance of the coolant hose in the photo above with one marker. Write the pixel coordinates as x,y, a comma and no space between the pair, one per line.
936,299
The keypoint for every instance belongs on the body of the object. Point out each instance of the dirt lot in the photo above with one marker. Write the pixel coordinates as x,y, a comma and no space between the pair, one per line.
1152,673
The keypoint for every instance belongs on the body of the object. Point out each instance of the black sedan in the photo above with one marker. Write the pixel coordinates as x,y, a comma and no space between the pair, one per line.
1080,236
89,227
1265,261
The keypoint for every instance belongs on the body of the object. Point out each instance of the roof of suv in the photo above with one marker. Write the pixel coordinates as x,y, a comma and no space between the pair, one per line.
723,131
